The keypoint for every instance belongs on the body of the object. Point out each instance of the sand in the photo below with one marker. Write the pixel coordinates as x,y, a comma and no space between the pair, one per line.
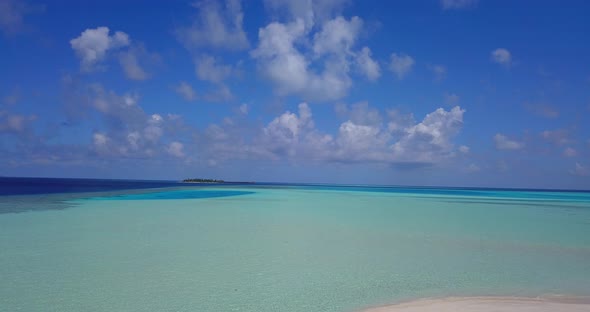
489,304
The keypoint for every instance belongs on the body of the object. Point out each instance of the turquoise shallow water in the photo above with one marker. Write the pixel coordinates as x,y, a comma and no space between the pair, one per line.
251,248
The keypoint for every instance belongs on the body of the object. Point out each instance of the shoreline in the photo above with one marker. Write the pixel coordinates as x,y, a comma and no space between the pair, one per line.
489,304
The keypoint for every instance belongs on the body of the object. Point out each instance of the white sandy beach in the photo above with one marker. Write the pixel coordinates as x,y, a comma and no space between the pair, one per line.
489,304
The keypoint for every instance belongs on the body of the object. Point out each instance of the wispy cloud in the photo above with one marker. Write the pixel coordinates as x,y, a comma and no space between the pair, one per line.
13,13
401,64
504,143
458,4
502,56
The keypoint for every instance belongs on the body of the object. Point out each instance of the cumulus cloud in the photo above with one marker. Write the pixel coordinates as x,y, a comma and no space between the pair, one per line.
358,142
360,113
502,57
93,45
401,64
217,25
281,61
458,4
504,143
337,36
123,128
12,15
322,73
464,149
186,91
364,138
431,139
367,65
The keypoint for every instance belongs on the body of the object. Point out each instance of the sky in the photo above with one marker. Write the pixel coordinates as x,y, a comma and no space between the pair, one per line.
435,92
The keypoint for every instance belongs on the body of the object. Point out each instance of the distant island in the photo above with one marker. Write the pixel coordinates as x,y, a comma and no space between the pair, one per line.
202,181
213,181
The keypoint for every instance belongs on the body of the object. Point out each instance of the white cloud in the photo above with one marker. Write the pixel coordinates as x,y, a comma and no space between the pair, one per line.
431,139
209,69
503,143
464,149
283,132
93,45
366,139
356,142
401,64
186,91
126,129
502,57
176,149
570,152
360,113
217,25
398,122
337,36
323,73
279,59
367,65
457,4
363,137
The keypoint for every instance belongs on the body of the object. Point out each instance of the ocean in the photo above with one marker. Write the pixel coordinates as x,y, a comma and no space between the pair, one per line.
104,245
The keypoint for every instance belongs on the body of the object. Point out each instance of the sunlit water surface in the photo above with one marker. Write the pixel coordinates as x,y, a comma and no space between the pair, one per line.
287,248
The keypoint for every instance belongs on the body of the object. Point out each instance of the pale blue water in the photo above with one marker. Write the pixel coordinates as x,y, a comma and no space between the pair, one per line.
287,248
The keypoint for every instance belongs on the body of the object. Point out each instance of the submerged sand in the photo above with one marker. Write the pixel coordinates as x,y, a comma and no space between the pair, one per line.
489,304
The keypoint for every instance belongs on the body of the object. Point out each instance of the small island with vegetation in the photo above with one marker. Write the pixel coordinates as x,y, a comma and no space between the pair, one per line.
213,181
202,181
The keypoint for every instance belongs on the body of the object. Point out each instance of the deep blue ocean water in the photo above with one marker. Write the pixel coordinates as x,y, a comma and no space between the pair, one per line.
30,186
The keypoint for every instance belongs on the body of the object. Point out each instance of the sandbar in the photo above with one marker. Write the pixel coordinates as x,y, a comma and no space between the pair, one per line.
489,304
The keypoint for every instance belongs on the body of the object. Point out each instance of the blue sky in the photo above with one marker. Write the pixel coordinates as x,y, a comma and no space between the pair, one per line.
450,92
